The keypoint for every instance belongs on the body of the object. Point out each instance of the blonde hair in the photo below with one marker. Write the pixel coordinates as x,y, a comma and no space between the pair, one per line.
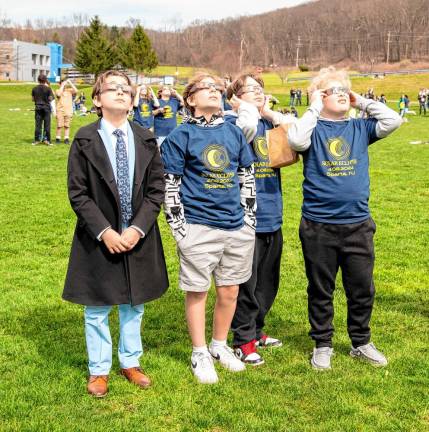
325,75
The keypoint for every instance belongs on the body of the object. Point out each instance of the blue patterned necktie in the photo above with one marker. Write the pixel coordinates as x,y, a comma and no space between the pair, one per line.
122,177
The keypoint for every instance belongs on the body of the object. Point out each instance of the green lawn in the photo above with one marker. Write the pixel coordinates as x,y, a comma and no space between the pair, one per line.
42,348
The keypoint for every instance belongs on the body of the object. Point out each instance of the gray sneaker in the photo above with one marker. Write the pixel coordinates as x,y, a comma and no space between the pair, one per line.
321,359
370,354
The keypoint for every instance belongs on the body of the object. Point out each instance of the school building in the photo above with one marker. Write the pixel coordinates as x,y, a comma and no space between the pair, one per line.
24,61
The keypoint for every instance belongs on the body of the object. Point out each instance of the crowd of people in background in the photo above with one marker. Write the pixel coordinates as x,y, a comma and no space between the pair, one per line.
158,111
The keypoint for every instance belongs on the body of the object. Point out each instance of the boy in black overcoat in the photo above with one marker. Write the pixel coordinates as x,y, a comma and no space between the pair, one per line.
116,187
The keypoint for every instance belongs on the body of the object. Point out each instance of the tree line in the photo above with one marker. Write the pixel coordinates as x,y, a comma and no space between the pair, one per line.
315,33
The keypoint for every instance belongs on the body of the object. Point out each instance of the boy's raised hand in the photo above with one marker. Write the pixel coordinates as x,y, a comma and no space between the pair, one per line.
266,110
317,96
130,237
235,102
354,98
114,242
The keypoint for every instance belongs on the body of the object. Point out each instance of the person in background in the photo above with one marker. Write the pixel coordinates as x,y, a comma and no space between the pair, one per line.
144,103
165,120
299,97
42,97
64,109
422,101
292,94
382,99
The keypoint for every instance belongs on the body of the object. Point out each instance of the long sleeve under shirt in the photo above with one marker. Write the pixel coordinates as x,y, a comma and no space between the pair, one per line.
335,155
209,177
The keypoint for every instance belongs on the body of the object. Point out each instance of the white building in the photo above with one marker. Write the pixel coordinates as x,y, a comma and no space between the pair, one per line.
23,61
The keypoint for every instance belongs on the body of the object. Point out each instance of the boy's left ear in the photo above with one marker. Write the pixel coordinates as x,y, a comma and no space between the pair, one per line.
96,102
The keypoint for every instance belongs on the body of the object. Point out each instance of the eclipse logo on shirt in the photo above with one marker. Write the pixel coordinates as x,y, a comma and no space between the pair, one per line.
339,148
215,157
260,147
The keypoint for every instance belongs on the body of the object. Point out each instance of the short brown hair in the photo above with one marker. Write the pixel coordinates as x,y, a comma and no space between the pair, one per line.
42,79
101,79
190,90
239,82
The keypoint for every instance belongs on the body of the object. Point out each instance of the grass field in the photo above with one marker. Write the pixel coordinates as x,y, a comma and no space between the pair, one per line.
42,348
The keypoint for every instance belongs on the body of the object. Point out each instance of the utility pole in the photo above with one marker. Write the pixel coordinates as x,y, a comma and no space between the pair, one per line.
17,62
388,48
298,46
242,43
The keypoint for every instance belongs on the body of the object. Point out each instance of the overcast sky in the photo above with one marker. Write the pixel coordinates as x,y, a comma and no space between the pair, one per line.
156,14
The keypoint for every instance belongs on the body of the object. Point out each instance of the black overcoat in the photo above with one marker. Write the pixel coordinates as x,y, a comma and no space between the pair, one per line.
96,277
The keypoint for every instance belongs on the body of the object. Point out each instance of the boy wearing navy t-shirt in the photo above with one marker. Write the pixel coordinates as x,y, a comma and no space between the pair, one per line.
209,205
145,102
165,119
336,228
256,296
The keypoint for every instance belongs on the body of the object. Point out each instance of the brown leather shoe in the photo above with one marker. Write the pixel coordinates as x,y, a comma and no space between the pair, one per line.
97,385
136,376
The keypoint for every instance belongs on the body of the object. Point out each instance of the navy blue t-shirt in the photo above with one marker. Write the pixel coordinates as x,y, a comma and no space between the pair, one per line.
207,159
143,113
166,122
269,212
336,178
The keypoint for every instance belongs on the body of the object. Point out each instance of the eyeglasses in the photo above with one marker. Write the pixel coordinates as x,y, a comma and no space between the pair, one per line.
337,90
250,89
115,87
207,86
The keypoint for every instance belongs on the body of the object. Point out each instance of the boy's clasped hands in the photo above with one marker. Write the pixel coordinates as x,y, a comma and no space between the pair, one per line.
118,243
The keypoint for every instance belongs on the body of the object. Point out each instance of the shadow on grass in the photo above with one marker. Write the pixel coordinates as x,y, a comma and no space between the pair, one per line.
56,332
413,303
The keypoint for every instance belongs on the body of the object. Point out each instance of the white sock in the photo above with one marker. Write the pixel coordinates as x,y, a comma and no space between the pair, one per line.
217,343
58,137
201,349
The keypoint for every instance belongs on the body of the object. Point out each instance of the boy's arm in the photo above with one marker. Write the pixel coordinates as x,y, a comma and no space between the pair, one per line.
74,88
300,130
88,213
387,119
246,180
155,101
179,97
146,215
275,117
173,207
173,155
137,97
248,117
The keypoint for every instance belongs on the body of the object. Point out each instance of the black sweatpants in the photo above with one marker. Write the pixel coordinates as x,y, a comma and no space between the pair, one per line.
43,121
327,247
256,296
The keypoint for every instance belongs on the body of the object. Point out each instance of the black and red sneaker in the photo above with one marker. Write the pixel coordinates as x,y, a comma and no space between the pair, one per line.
247,353
268,342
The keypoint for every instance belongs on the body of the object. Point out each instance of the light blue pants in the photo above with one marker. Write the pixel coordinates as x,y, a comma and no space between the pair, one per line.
99,342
